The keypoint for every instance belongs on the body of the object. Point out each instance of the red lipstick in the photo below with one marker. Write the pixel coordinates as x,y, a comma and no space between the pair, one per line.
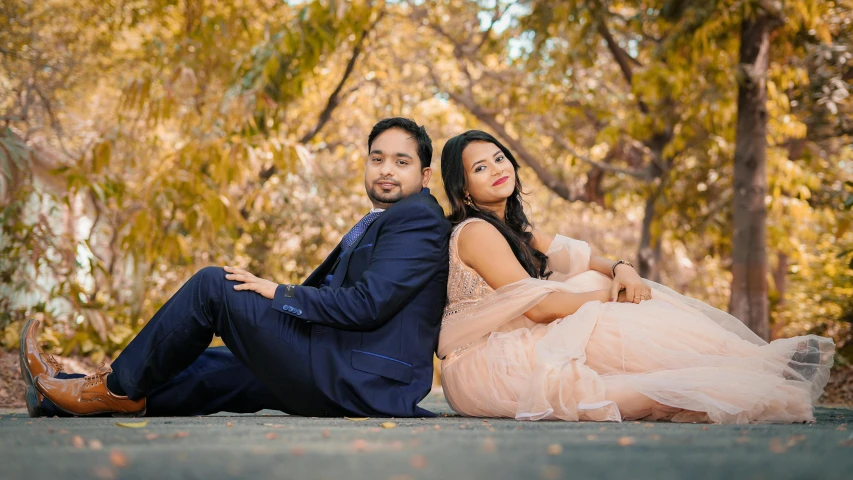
500,181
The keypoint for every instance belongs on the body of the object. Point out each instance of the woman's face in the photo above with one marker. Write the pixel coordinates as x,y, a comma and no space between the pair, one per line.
489,174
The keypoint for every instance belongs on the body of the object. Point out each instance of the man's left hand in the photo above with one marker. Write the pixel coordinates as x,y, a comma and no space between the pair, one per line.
251,282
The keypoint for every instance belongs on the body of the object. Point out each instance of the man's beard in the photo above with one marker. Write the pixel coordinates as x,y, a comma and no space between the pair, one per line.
377,195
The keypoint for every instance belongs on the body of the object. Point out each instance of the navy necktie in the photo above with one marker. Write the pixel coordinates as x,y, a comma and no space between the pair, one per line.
358,230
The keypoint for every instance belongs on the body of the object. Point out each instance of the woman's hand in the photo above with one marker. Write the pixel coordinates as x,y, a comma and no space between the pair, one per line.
627,280
251,282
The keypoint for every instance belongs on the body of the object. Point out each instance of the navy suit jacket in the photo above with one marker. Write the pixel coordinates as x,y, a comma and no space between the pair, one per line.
375,328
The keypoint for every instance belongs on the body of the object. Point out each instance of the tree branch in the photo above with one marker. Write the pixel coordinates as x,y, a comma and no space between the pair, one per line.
549,179
642,174
620,55
334,98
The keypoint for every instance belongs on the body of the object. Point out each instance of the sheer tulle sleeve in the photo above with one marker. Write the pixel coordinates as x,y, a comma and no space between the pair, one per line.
567,257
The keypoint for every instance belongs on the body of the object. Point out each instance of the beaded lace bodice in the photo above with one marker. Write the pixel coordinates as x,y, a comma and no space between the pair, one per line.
464,285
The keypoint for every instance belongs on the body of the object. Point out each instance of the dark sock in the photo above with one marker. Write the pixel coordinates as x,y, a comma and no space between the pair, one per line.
115,387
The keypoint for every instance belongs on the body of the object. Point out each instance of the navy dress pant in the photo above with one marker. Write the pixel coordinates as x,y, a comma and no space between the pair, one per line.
265,364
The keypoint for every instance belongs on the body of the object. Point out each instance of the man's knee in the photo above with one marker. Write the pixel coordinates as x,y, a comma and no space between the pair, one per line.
210,281
210,275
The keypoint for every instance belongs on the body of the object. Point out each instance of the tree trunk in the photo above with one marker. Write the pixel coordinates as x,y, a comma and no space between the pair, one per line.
780,276
648,255
749,300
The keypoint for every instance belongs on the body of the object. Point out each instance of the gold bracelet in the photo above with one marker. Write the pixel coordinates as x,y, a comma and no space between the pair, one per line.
620,262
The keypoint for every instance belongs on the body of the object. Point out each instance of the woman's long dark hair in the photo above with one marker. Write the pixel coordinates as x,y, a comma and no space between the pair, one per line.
514,228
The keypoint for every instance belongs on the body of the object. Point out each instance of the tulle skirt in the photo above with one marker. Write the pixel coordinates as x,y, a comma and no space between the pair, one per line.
655,361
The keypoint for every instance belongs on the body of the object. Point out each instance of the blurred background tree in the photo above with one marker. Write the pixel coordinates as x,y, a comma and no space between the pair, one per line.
142,140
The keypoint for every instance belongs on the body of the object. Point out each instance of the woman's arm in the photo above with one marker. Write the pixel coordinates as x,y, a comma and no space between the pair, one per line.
542,241
484,249
627,285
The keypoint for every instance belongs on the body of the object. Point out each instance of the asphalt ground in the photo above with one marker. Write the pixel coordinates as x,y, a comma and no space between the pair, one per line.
273,445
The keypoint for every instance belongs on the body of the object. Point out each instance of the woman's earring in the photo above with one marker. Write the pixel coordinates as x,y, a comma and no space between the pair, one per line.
468,200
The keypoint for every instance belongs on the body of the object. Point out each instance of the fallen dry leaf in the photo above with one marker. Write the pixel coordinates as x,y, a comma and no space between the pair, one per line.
271,436
795,439
704,427
418,461
78,442
649,425
555,449
151,436
327,434
104,472
463,427
132,424
95,444
374,429
437,427
355,419
275,425
625,441
118,458
229,424
552,472
488,445
297,451
654,436
388,425
181,435
359,445
776,446
592,437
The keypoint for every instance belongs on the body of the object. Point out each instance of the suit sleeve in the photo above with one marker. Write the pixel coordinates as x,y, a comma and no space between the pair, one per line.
411,249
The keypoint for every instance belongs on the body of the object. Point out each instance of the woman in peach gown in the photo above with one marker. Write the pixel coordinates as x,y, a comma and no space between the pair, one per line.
571,336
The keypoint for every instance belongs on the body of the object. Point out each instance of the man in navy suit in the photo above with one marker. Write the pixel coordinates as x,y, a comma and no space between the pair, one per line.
356,338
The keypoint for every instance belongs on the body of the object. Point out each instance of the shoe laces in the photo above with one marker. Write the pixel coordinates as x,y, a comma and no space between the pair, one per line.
99,375
53,362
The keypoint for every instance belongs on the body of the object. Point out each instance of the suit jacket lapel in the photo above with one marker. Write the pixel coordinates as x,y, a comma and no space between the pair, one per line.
319,275
341,271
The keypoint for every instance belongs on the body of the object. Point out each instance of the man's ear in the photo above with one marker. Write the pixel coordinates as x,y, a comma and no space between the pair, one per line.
426,174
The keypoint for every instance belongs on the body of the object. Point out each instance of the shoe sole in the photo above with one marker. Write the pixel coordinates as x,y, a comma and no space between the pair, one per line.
33,404
140,413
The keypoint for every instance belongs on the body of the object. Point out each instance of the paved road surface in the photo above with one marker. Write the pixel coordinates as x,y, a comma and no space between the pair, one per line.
270,445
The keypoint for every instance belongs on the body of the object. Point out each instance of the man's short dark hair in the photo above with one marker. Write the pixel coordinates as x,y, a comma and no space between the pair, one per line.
407,125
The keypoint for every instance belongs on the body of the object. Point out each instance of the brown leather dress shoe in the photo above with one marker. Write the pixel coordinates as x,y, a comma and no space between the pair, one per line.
35,362
88,395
